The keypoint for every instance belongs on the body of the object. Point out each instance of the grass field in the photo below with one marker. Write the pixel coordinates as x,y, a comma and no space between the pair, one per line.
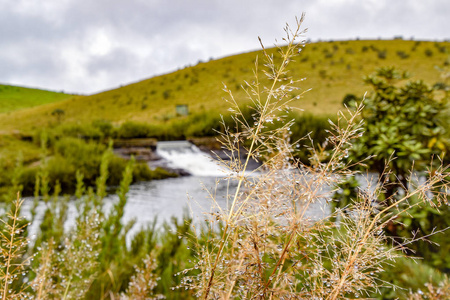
14,98
331,70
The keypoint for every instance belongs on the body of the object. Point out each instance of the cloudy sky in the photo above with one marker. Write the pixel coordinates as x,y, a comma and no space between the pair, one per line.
86,46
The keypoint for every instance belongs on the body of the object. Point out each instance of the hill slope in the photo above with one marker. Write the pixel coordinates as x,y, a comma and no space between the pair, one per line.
331,69
14,98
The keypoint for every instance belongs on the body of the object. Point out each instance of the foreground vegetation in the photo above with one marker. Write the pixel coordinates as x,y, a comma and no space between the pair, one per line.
263,244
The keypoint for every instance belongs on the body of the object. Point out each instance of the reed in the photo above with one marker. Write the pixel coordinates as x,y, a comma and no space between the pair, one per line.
13,243
269,247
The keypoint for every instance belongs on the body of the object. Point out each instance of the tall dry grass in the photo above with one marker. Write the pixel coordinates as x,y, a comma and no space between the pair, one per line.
269,247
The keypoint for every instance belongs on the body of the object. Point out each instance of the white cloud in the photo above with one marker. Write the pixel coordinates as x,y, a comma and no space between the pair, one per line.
99,42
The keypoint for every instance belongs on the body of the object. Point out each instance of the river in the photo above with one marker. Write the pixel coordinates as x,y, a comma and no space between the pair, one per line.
172,197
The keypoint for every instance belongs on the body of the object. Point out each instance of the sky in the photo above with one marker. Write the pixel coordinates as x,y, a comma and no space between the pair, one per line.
88,46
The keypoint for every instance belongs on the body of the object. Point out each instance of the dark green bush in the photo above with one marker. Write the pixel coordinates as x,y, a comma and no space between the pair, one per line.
166,94
308,124
104,126
202,125
84,156
382,54
84,131
402,54
428,53
134,130
349,100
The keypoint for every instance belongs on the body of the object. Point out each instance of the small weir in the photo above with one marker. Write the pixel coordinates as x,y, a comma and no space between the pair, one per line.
188,157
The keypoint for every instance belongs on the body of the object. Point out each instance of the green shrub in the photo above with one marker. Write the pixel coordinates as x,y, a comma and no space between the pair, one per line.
105,127
166,94
202,125
131,129
350,100
83,131
382,54
402,54
308,125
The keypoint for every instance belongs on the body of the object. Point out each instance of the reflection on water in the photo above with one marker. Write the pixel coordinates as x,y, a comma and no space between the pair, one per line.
174,197
160,199
165,199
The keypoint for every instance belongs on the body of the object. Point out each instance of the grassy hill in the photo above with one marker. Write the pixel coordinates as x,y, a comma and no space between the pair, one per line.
331,69
14,98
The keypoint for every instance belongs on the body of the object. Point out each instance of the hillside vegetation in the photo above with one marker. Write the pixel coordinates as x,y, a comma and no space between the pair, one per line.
331,70
13,98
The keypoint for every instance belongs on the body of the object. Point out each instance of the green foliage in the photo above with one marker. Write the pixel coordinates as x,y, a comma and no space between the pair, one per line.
402,54
58,113
308,126
134,130
405,120
350,100
401,120
95,131
13,244
421,221
93,258
72,155
414,275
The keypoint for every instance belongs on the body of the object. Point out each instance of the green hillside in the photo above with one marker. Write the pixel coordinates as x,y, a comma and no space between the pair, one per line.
14,98
330,69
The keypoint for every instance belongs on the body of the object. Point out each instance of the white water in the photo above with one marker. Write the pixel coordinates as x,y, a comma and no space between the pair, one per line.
186,156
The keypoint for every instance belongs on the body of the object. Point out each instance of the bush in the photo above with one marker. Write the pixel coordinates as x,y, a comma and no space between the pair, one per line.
84,131
350,100
349,51
402,54
382,54
308,125
131,129
202,125
104,126
166,94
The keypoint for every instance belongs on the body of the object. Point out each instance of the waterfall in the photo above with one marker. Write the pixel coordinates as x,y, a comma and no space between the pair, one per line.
184,155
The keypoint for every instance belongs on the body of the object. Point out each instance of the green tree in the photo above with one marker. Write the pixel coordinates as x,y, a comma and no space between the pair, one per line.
402,120
405,124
